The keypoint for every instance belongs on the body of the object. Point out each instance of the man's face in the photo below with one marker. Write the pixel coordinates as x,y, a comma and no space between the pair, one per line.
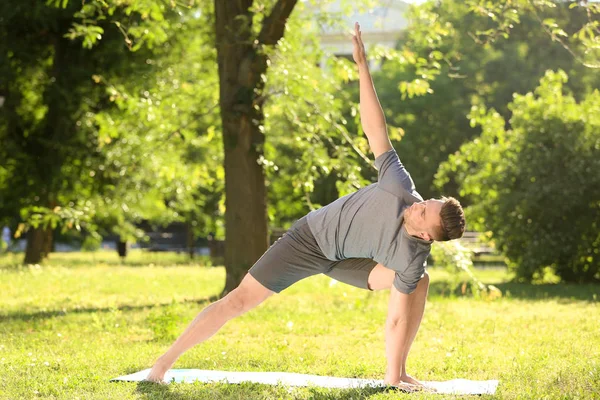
421,218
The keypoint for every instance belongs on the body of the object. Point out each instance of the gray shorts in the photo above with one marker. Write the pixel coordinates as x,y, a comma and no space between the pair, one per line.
296,255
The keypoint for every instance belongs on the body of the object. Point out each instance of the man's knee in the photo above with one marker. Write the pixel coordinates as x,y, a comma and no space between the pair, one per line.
234,303
245,297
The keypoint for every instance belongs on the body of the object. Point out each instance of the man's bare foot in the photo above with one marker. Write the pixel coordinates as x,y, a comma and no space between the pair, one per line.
157,373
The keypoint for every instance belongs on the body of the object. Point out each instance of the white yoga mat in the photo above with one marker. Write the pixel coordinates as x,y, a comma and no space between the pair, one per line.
455,386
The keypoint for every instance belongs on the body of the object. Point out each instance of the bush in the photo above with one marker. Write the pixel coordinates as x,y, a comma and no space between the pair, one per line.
455,258
536,186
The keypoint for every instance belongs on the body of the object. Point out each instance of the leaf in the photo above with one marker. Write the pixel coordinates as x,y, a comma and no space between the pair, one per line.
20,229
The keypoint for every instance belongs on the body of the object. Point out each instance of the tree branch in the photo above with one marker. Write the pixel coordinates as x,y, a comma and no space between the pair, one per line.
555,38
274,25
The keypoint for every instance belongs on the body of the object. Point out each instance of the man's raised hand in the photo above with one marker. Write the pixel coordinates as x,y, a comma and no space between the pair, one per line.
358,52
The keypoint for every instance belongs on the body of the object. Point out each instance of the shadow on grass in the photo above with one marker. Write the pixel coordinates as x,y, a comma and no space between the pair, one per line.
245,390
140,258
563,292
560,291
24,316
351,394
154,391
137,263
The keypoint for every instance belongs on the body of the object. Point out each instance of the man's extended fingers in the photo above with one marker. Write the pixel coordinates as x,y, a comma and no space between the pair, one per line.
357,37
357,31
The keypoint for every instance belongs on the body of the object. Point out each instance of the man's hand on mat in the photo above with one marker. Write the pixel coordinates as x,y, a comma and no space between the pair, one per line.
358,53
157,373
413,384
406,382
409,379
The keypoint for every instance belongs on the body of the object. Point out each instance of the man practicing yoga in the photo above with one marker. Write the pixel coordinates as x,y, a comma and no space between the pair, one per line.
376,238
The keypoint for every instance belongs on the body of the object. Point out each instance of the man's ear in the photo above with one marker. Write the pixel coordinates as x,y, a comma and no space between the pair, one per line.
425,236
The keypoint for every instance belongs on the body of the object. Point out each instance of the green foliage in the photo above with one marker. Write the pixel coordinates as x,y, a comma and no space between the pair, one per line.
162,152
311,154
75,217
580,41
115,137
142,23
535,185
91,242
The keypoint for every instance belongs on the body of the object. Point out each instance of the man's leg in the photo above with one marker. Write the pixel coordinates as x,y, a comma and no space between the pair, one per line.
382,278
249,294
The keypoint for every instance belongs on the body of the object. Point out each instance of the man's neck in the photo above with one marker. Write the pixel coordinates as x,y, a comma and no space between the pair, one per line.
411,232
414,233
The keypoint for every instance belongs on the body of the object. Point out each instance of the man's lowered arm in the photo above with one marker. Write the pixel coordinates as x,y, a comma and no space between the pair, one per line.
396,334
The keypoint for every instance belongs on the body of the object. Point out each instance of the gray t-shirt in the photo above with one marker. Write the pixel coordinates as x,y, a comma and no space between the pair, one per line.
369,224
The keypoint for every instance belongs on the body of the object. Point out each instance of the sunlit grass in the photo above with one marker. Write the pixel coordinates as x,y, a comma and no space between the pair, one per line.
68,327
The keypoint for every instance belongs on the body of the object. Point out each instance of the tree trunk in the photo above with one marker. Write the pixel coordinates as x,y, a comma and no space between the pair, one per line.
190,239
48,241
122,248
34,252
245,202
46,145
242,65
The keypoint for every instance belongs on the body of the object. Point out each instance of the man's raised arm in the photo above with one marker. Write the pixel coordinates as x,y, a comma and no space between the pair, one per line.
371,114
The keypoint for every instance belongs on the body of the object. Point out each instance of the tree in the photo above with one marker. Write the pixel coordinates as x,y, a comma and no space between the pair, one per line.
534,184
67,161
44,74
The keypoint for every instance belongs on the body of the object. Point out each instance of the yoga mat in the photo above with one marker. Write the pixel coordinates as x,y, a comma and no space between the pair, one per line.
455,386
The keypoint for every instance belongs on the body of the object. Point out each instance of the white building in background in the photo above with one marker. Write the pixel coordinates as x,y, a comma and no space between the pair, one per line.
382,25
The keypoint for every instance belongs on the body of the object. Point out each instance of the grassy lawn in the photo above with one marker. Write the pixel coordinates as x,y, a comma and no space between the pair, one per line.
66,328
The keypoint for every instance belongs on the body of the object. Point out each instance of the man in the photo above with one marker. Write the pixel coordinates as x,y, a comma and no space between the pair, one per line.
376,238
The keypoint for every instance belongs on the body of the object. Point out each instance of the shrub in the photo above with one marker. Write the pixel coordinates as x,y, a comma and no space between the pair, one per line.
455,258
536,186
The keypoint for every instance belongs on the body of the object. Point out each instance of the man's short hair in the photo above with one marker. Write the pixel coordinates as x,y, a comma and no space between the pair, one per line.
452,218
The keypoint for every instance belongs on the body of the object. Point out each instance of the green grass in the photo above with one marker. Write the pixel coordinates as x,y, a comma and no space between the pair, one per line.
66,328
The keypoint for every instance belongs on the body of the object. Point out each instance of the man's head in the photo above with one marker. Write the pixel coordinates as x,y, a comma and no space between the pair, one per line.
434,219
